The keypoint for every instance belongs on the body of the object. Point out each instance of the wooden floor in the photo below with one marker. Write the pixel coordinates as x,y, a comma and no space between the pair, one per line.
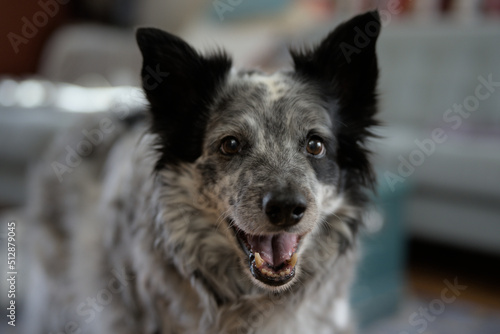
431,264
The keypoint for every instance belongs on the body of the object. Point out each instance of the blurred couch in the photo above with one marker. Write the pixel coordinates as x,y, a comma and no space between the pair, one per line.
426,69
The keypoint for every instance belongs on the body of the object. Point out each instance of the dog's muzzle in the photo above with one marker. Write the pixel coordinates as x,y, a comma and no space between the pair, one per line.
272,257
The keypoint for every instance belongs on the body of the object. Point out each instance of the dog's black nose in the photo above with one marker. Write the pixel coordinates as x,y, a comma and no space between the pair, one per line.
284,208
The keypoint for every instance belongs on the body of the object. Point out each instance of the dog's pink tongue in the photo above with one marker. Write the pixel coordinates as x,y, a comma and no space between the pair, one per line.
274,249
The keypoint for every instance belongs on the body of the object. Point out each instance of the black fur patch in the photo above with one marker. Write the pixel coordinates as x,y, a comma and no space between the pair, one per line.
180,85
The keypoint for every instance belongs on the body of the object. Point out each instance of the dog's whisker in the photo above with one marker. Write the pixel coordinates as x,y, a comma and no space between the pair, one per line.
222,217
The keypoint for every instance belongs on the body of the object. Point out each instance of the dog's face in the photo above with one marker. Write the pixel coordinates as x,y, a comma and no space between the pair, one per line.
274,154
268,165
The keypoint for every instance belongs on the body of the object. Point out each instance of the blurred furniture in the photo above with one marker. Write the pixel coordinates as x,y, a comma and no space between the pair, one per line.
22,39
425,70
24,134
33,111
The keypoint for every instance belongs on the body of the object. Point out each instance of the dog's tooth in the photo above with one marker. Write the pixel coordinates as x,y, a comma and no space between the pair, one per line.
293,260
283,273
268,273
259,262
288,271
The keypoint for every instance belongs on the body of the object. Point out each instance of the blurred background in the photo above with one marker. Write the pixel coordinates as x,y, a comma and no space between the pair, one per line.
433,266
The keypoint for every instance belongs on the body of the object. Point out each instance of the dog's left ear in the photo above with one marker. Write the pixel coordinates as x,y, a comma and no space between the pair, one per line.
180,85
345,66
345,60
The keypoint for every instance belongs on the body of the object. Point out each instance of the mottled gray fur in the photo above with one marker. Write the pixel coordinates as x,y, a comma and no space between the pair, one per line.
122,248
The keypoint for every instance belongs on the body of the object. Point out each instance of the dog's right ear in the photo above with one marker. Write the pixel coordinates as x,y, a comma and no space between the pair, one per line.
180,84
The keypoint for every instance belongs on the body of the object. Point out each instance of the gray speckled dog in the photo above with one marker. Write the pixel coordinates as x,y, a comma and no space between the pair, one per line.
235,212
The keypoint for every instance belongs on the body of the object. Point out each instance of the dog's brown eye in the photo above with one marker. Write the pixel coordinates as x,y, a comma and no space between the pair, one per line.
230,145
315,146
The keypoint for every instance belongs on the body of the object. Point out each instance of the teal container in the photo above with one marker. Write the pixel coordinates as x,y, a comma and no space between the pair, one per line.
379,284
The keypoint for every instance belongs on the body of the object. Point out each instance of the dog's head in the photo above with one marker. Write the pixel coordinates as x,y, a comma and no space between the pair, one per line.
273,155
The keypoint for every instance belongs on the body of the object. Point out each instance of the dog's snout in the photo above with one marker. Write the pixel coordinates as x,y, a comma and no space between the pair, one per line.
284,208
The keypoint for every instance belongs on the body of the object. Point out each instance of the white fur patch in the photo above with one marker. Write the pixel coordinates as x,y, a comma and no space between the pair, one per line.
374,221
341,313
275,86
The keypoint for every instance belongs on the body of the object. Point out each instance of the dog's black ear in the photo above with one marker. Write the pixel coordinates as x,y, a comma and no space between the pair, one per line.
345,65
180,84
345,60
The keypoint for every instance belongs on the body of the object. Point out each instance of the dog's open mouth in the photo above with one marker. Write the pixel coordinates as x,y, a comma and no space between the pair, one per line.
272,258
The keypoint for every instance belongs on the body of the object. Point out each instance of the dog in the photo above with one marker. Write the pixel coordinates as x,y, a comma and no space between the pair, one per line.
232,206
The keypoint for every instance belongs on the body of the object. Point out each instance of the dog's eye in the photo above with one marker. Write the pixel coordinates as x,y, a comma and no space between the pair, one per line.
315,146
230,145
